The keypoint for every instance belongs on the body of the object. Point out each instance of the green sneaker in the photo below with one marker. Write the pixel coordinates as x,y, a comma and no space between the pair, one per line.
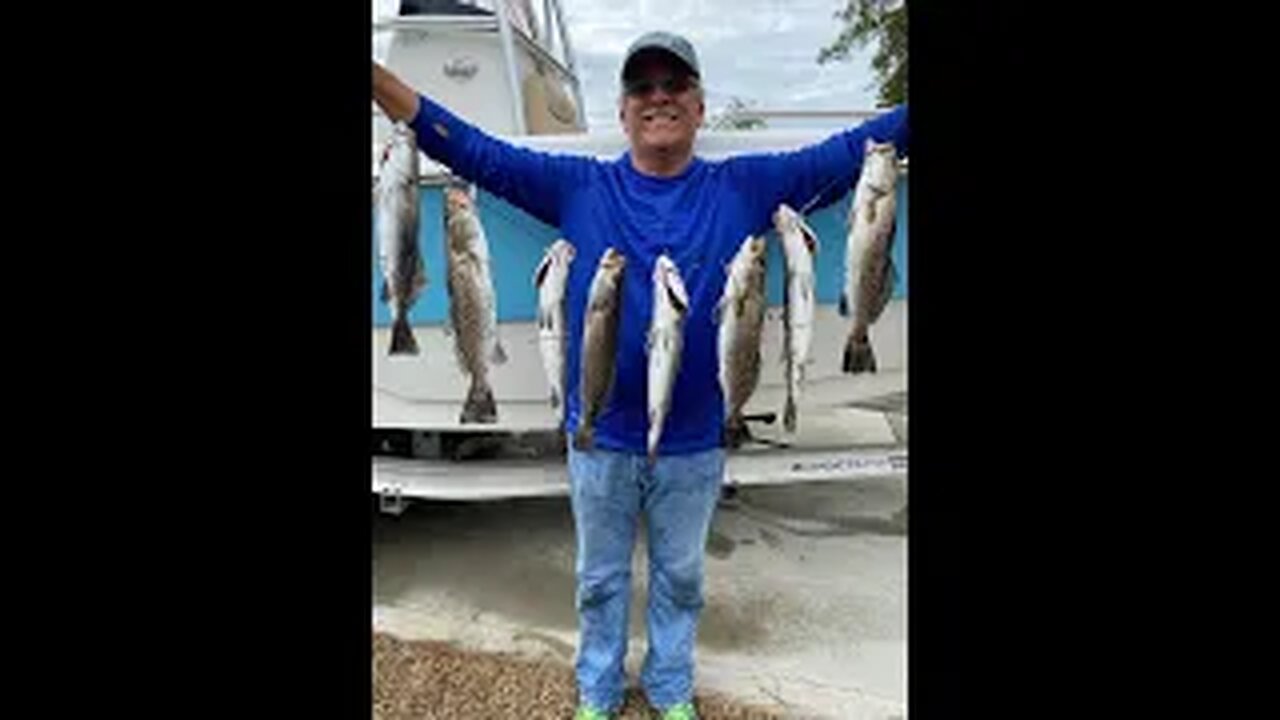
683,711
586,712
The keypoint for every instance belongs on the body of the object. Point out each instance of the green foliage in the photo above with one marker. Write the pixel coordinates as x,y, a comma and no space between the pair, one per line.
733,117
884,21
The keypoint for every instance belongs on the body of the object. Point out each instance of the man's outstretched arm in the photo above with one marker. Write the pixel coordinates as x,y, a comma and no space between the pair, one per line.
396,99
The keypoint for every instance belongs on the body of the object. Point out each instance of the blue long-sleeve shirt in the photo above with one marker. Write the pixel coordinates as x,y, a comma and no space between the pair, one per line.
699,218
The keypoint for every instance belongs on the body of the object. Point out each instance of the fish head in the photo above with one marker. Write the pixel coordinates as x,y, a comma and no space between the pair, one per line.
563,251
792,227
460,221
613,261
608,277
662,267
457,201
400,153
556,258
880,164
784,218
667,277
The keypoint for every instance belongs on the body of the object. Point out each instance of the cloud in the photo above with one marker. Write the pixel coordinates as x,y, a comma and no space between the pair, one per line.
762,51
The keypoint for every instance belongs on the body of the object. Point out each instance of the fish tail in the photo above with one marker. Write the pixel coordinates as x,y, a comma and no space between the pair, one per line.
858,355
585,438
480,406
402,340
789,414
736,432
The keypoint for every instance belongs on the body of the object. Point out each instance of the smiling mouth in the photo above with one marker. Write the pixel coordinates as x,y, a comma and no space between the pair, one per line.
651,115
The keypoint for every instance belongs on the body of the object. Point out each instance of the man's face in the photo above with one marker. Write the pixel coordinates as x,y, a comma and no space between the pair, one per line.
661,107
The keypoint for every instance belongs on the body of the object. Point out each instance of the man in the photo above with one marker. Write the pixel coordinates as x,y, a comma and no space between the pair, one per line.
656,198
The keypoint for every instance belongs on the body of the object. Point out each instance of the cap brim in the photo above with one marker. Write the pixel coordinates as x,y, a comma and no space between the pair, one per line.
638,53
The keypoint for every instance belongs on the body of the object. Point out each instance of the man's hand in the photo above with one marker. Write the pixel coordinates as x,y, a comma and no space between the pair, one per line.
397,100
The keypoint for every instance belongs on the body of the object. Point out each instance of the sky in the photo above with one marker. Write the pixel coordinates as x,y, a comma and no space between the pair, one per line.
762,52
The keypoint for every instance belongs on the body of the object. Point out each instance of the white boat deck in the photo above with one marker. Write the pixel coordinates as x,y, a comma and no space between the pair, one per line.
855,432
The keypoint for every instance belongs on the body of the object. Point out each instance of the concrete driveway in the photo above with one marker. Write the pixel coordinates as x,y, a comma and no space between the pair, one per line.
806,590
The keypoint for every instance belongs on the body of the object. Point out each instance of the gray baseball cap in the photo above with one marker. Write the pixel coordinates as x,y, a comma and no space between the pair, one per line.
666,41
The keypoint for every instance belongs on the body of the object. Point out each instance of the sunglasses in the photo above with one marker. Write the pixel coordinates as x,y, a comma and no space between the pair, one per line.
671,85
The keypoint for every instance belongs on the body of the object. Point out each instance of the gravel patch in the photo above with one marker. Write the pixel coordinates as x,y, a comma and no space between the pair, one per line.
425,679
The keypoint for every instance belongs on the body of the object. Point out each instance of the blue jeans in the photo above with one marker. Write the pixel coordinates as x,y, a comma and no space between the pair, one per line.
610,493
